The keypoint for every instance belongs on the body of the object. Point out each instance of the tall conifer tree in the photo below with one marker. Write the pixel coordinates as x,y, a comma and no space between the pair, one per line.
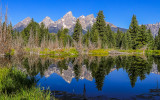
150,39
141,39
133,30
101,27
157,41
77,31
119,39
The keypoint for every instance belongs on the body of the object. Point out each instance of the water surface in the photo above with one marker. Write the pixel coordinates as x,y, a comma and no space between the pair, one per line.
120,77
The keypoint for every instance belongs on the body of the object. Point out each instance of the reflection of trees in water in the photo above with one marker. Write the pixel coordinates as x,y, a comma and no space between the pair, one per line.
100,67
35,65
77,64
157,61
63,65
104,68
135,66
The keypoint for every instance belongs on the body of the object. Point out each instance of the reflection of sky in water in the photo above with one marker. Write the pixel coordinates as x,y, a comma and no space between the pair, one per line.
116,84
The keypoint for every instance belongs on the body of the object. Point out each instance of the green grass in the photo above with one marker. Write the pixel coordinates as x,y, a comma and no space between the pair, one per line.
131,51
30,94
16,85
99,52
71,52
148,52
153,52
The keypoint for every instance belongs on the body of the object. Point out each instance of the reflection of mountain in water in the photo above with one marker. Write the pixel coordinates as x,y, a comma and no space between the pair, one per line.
68,74
155,69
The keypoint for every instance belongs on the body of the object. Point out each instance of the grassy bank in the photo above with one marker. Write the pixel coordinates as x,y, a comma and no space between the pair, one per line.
70,52
99,52
15,85
152,52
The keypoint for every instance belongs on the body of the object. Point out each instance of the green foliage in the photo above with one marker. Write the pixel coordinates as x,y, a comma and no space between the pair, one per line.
77,31
134,31
129,42
15,85
64,37
124,40
110,37
30,94
92,38
86,38
14,81
119,39
152,52
26,32
150,40
141,38
100,25
39,32
157,41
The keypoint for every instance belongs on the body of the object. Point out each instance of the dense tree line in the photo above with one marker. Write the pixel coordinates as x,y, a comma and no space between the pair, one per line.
136,37
99,36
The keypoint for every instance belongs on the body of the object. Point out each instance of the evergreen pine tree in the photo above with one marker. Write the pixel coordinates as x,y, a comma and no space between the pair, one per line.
119,39
110,37
129,42
77,31
86,38
133,30
124,41
141,38
157,41
101,27
92,38
150,39
96,35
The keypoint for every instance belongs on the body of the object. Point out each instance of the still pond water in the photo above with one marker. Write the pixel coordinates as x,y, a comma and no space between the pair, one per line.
118,77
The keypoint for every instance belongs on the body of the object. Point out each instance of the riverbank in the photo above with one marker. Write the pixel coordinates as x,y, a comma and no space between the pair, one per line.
73,52
15,85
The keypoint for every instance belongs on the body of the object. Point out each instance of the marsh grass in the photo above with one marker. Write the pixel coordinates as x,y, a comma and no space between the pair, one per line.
132,51
99,52
60,53
152,52
16,85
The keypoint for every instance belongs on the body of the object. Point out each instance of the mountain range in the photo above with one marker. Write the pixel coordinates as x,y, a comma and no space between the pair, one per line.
67,21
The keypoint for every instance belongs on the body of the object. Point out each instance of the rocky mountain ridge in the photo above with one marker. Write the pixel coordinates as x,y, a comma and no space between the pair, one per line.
154,28
23,24
67,21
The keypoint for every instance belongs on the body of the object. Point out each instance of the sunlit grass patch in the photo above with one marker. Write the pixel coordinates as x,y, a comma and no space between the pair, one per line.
153,52
132,51
99,52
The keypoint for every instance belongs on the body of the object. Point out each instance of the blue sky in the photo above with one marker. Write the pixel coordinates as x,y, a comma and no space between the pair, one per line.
118,12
